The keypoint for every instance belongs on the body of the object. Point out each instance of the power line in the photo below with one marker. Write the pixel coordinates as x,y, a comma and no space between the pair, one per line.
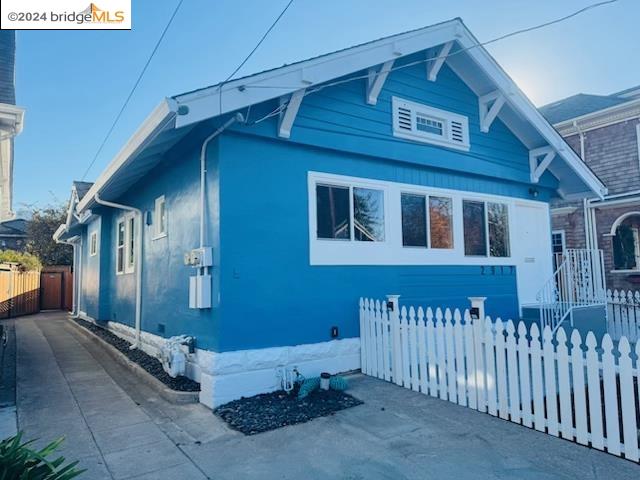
246,59
133,89
282,106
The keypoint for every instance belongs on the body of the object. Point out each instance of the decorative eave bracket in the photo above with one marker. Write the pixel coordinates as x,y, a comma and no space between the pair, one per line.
290,113
538,167
375,81
490,105
434,66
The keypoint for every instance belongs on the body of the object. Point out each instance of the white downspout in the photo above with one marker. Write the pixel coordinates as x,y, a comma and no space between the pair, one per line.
589,233
138,267
238,117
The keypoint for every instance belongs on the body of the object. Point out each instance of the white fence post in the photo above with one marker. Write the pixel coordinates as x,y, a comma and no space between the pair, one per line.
394,323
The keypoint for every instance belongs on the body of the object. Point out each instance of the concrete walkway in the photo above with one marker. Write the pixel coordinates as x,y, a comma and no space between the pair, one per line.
118,428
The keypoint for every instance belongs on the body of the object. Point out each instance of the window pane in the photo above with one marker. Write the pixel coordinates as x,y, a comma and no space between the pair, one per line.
131,240
441,222
498,229
162,218
120,233
429,125
368,215
332,212
475,241
626,245
414,220
120,266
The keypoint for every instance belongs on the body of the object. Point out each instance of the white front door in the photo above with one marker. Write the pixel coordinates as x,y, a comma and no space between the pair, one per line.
532,249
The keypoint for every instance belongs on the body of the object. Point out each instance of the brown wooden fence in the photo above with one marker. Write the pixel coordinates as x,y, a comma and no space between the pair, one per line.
19,291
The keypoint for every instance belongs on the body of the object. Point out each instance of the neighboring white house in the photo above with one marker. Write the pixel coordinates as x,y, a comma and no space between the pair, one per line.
11,121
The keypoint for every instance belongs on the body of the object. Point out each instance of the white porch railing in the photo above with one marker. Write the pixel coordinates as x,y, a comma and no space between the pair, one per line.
577,282
583,392
623,314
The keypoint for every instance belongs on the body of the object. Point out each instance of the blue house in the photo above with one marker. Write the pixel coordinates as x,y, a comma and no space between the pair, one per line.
252,215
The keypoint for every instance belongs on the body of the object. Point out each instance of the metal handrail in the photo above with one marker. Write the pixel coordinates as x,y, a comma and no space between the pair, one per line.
577,282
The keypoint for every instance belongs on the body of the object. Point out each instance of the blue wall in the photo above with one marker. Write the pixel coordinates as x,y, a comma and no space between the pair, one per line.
258,219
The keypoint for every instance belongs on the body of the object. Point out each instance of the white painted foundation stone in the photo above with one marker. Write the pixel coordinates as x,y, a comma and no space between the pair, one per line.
229,376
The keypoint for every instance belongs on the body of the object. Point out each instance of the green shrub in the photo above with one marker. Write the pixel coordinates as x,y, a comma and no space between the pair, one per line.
26,261
19,462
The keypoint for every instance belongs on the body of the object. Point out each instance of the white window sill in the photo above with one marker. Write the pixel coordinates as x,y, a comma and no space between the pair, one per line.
625,272
158,237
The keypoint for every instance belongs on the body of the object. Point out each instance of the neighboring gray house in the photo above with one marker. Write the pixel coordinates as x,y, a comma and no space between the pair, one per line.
605,132
11,119
13,234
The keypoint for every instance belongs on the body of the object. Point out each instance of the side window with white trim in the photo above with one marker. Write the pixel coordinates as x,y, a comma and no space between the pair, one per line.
93,244
160,217
484,221
120,246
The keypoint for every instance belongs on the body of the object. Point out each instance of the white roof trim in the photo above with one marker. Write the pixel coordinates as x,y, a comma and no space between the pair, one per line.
153,124
12,116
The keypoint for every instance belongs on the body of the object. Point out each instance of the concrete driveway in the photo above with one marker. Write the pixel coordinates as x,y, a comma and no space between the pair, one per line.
119,429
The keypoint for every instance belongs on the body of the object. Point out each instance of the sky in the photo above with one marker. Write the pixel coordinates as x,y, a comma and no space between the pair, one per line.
73,83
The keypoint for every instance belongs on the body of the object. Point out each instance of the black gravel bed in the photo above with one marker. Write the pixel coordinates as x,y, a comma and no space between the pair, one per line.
270,411
150,364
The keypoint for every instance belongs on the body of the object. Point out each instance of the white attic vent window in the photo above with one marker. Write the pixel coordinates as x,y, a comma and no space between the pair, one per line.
421,123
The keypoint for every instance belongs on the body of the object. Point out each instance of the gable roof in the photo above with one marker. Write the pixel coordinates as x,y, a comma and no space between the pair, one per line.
175,116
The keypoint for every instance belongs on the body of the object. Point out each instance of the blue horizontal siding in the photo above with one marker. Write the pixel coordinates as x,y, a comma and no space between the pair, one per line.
272,296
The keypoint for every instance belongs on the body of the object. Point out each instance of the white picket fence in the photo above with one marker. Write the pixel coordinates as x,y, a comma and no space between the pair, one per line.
623,319
589,397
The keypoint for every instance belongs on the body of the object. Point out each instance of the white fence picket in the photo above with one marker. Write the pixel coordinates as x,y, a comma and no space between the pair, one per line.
469,359
413,347
629,425
501,371
580,405
440,355
422,354
564,385
593,385
461,380
536,380
490,366
610,396
549,364
431,353
524,374
513,374
451,356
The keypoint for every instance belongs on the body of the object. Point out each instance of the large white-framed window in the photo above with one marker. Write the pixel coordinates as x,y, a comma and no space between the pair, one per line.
160,218
418,225
423,123
93,244
126,237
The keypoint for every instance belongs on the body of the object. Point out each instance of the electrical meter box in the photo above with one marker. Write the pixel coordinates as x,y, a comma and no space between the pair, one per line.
200,291
199,257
